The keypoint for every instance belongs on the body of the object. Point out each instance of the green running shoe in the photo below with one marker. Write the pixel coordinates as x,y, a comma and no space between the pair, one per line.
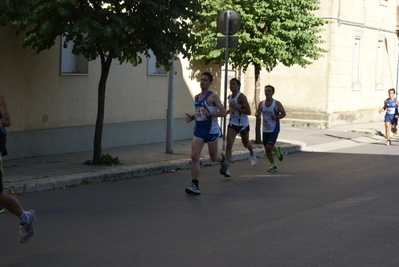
272,168
279,154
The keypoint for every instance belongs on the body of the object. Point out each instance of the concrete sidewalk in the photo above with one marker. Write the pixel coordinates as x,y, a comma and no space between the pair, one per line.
61,171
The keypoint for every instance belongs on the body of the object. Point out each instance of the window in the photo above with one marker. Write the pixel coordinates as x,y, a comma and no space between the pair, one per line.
356,64
152,68
70,63
378,71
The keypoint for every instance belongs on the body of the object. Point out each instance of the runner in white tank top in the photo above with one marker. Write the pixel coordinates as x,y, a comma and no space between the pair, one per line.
272,111
239,122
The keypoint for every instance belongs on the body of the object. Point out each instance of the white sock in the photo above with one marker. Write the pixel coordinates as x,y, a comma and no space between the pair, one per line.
23,219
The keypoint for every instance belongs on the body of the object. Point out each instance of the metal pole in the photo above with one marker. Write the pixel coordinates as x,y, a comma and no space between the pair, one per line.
397,68
226,68
169,119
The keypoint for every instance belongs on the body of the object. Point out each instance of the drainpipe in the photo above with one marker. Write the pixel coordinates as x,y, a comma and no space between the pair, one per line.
397,69
171,103
169,112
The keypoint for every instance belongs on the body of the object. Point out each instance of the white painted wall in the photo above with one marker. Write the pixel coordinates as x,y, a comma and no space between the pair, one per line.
53,113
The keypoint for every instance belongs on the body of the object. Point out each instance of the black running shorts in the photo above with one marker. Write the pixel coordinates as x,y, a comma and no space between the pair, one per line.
3,148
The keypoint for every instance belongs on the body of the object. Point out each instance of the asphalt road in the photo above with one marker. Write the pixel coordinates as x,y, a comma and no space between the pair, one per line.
319,209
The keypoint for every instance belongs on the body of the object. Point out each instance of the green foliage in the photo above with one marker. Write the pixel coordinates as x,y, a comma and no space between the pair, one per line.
15,13
108,160
271,31
108,29
124,30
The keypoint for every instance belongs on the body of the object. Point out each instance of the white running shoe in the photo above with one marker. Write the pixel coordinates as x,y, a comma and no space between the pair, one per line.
26,230
227,173
254,160
224,165
193,190
388,142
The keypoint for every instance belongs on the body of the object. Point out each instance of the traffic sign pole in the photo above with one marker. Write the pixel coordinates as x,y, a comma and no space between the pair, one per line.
228,23
226,73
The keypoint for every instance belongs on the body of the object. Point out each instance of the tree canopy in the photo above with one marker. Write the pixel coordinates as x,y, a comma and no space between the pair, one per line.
123,30
272,31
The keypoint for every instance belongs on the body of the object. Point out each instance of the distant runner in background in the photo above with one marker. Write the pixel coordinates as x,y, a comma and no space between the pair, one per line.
391,115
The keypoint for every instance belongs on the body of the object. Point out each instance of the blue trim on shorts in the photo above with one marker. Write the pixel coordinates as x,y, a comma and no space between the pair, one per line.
208,138
390,119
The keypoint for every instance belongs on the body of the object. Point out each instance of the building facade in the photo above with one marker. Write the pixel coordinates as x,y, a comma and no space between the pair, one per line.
52,99
350,83
52,96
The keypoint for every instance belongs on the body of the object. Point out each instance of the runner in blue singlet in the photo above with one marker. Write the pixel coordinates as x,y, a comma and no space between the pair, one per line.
391,115
207,108
9,202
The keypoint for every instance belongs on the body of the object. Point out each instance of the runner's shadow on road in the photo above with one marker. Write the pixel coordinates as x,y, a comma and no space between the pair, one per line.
358,141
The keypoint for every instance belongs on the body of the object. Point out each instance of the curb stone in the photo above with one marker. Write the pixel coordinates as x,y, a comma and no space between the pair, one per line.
125,173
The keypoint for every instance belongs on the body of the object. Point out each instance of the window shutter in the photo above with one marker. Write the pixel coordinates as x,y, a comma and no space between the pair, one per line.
68,59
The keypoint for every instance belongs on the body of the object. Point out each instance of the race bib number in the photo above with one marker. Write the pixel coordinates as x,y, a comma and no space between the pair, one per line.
267,119
199,115
390,110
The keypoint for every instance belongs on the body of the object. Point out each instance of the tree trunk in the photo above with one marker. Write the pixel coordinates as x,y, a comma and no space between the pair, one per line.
258,122
105,66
